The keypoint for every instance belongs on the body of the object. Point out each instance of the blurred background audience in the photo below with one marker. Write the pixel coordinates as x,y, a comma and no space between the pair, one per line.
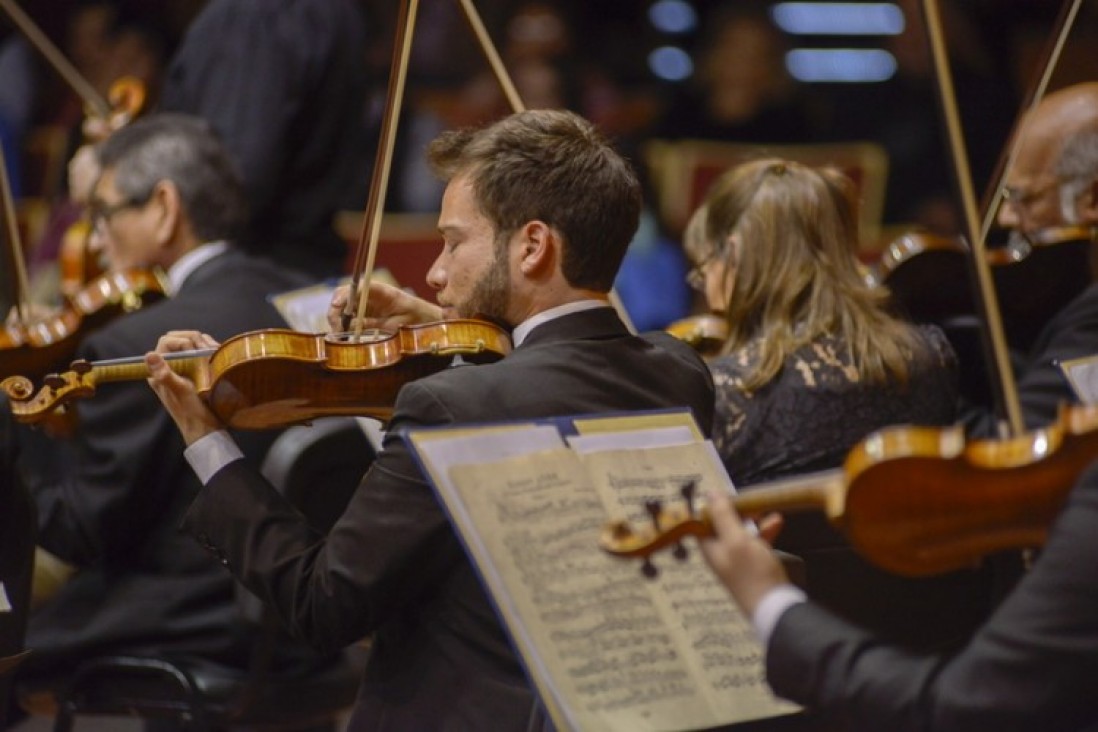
749,72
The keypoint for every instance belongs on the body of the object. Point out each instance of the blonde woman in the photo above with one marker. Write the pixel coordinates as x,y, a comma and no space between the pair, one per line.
812,364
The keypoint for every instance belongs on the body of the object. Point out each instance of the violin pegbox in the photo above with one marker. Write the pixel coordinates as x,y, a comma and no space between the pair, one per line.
57,390
669,526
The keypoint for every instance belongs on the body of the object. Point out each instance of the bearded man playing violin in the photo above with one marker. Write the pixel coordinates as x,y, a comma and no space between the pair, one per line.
109,499
1053,183
535,220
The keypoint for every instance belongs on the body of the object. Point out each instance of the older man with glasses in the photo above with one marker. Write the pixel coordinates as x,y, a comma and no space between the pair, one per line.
1053,184
109,500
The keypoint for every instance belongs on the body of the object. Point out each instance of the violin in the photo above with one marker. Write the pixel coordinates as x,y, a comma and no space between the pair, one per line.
1036,275
78,264
275,378
90,298
37,346
705,333
915,501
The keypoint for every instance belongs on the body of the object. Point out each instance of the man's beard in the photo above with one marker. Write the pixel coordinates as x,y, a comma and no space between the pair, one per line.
492,292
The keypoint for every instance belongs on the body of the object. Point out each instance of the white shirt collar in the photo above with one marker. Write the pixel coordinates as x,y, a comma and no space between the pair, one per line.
523,329
192,260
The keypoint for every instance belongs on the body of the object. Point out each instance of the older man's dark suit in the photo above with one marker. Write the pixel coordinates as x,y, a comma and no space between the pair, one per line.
440,659
1042,388
1033,666
111,501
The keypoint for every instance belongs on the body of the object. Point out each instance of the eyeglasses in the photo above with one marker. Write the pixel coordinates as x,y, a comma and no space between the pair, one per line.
101,214
1023,197
695,276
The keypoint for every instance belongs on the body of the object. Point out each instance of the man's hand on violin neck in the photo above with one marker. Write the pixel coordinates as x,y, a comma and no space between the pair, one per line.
388,308
742,559
178,394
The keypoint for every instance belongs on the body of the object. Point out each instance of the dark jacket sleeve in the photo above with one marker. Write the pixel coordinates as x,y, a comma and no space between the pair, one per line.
392,541
1041,386
100,494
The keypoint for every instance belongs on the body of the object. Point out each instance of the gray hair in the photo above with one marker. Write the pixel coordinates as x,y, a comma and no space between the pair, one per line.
1077,168
184,150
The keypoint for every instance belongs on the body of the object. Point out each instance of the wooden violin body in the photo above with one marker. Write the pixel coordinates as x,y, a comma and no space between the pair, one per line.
929,277
704,333
274,378
39,346
917,501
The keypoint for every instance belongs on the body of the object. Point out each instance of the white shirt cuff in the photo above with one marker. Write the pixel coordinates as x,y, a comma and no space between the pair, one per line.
211,453
771,608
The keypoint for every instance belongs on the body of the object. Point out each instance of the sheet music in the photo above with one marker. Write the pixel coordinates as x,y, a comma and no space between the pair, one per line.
606,648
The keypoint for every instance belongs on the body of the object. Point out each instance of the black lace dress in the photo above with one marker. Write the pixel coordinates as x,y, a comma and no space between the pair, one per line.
807,419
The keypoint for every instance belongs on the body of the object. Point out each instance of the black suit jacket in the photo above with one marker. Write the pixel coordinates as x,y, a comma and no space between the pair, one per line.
110,500
1033,666
1042,388
392,565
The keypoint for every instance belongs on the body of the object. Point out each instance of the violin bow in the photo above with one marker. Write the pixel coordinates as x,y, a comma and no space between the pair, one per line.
19,263
988,302
366,251
517,105
993,197
56,59
366,254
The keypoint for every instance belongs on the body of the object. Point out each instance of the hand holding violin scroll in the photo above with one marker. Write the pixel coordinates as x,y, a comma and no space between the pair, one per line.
741,559
918,501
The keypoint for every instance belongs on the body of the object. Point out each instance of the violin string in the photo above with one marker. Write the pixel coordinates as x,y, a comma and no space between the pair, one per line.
131,360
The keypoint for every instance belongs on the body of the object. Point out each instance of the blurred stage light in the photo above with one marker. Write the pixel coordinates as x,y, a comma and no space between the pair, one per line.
673,16
839,19
843,65
670,63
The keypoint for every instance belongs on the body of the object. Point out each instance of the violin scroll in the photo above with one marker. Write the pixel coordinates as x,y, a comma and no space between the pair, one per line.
915,501
669,528
57,390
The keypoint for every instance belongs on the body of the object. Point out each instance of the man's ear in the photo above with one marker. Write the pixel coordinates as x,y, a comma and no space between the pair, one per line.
1088,204
538,248
167,207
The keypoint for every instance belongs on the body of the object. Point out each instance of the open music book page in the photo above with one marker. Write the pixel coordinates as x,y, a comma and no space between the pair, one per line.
605,648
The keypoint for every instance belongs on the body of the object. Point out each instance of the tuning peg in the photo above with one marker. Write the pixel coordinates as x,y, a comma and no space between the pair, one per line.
81,367
689,490
680,552
53,381
648,569
654,509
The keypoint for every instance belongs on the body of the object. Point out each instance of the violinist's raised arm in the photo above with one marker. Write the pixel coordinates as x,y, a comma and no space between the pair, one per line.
518,248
